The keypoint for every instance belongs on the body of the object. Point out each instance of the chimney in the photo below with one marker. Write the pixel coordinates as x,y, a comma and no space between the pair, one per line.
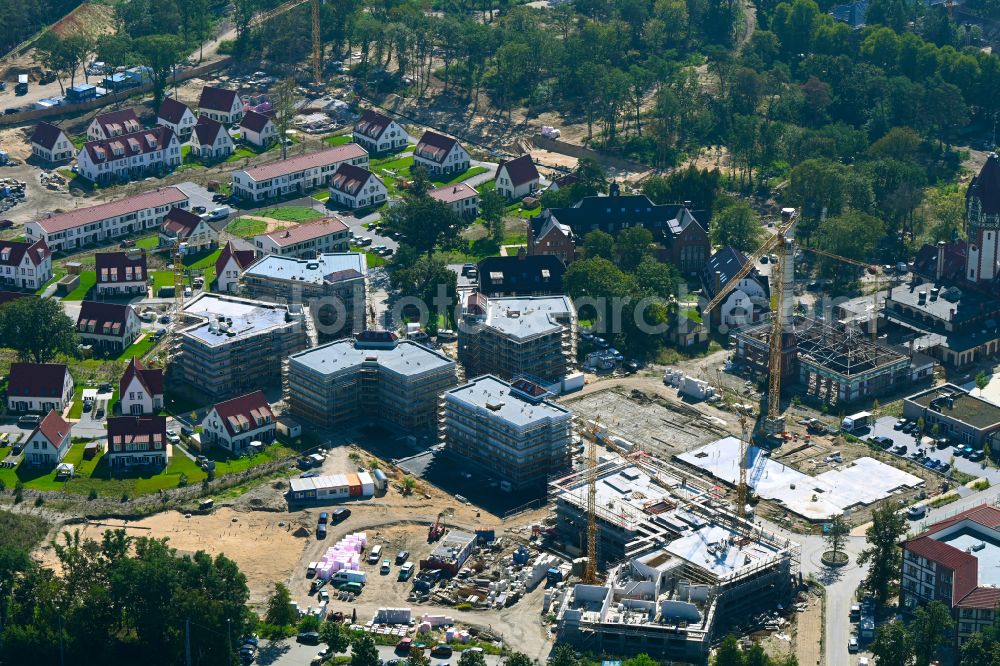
939,266
687,203
718,281
614,190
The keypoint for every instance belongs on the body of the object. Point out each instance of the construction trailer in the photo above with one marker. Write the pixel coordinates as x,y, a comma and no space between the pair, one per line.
685,569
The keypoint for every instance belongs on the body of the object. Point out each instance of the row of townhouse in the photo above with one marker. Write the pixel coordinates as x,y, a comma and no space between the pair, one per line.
129,156
106,222
305,241
296,175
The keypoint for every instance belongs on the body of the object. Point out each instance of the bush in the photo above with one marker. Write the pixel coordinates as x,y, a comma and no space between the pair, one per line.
227,47
309,623
39,500
92,495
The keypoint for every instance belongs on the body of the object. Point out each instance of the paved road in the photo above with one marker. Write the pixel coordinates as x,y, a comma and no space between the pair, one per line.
290,653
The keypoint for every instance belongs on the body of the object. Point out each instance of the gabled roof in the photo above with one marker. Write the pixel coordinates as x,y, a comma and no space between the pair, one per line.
434,146
255,122
163,196
180,221
985,514
98,318
986,186
372,124
942,553
349,179
53,427
217,99
12,252
521,170
522,275
664,221
208,130
925,263
453,193
727,262
46,135
986,598
150,378
304,232
241,414
243,258
137,429
36,380
115,264
118,122
128,145
348,151
172,111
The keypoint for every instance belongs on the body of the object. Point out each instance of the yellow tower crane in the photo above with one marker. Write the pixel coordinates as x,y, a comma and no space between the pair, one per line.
773,421
590,574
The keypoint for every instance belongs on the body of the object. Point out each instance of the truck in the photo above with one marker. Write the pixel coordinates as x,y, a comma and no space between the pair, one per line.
22,85
855,422
344,576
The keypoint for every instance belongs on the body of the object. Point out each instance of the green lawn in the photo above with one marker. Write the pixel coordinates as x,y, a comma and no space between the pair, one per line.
322,196
246,228
204,262
488,186
87,281
139,348
338,140
150,242
373,259
465,175
291,214
241,154
58,271
76,409
161,279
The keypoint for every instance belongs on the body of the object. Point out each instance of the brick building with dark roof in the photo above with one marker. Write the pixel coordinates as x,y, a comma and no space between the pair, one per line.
191,230
230,265
379,133
210,141
128,156
235,423
25,265
138,441
356,187
112,124
521,275
39,387
954,562
257,129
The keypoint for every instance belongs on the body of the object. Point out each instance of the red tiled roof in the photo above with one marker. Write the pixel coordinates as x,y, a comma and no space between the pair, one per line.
150,378
255,122
46,135
118,122
180,221
207,131
434,146
984,514
12,252
348,151
936,551
304,232
129,145
243,257
114,267
372,124
137,429
981,597
163,196
520,170
240,414
37,380
53,427
349,178
453,193
97,318
171,110
217,99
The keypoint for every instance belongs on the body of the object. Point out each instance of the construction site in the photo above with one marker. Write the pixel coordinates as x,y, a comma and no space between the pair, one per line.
684,569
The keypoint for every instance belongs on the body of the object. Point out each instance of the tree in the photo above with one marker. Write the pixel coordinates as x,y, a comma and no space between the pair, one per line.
417,657
365,653
738,226
428,280
599,244
729,653
518,659
491,208
279,607
333,634
882,554
929,631
982,381
161,53
591,178
632,245
655,278
892,646
284,111
564,655
471,658
36,328
640,660
836,533
426,223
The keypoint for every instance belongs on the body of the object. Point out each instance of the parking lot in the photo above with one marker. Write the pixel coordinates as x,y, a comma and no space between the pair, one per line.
885,427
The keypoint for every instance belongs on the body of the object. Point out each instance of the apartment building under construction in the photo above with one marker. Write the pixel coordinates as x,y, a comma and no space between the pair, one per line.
532,337
683,570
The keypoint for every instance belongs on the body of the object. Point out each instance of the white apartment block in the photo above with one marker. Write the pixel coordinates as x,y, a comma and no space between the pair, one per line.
296,175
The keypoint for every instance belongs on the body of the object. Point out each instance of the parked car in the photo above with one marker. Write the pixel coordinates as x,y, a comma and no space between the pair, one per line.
340,515
402,556
916,511
127,243
441,650
198,210
321,531
308,637
852,644
976,456
173,437
386,567
323,518
29,420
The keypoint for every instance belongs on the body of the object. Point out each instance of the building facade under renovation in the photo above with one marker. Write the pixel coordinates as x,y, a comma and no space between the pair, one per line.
834,364
684,570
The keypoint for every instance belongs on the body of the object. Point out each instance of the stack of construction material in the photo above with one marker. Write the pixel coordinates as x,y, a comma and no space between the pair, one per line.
392,616
345,554
437,620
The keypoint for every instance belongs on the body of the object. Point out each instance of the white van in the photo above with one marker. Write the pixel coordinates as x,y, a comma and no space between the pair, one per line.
374,555
220,213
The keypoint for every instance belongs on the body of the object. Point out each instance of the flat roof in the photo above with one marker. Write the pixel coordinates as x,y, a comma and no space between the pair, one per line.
981,543
712,548
972,410
489,392
627,494
329,268
526,317
248,318
406,358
